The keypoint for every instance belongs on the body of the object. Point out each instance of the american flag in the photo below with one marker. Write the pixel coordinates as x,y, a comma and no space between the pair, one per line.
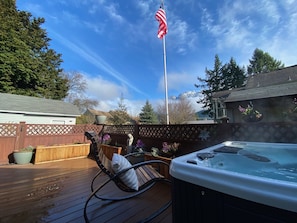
161,17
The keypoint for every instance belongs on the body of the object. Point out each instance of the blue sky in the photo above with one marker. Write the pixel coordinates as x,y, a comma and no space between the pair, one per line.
114,44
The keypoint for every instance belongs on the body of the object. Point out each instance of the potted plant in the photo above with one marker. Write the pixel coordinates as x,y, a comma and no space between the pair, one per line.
100,119
168,150
250,114
106,139
24,155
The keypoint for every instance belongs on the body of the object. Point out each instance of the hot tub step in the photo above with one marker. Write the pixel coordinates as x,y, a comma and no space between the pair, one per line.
227,149
256,157
203,156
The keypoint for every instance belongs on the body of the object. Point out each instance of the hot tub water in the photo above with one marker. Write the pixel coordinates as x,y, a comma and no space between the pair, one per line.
274,162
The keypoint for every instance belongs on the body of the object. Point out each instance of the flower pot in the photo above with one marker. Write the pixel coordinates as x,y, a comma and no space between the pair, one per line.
252,118
167,155
100,119
22,157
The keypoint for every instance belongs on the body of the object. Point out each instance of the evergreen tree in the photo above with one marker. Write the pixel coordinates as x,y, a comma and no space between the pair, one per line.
212,83
222,77
232,75
120,115
27,65
147,115
262,62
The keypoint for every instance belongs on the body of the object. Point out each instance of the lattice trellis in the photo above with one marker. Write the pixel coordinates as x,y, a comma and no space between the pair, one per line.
264,132
120,129
8,129
33,129
191,133
49,129
257,132
82,129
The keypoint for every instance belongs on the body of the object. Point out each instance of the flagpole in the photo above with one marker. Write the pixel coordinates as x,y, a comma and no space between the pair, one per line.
165,82
165,73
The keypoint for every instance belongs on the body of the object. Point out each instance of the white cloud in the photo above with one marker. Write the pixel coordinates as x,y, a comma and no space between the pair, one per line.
183,38
94,5
108,94
196,106
133,106
144,6
106,106
113,13
243,26
103,89
177,81
97,28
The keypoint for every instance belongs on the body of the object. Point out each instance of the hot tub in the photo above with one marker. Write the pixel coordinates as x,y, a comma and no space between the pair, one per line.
236,181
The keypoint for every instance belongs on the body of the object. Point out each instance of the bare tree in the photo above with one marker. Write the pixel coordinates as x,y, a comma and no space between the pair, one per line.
76,93
180,110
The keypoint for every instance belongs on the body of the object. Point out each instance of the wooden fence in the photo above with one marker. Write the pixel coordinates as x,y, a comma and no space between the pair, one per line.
16,136
192,137
199,136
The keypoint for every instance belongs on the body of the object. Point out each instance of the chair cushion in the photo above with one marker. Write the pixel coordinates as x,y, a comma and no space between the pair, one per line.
129,178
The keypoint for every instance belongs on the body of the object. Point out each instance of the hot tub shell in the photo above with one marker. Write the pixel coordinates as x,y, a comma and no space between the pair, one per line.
201,188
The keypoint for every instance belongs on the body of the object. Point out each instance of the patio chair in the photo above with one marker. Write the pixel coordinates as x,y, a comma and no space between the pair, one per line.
135,179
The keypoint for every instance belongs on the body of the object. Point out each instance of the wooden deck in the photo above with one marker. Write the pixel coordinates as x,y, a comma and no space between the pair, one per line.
57,191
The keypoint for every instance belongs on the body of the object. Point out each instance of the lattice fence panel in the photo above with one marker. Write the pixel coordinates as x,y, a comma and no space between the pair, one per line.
49,129
191,133
77,129
33,130
120,129
94,128
80,129
285,133
8,129
264,132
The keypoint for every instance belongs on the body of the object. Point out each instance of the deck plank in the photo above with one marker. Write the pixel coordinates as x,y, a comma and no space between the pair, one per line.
56,192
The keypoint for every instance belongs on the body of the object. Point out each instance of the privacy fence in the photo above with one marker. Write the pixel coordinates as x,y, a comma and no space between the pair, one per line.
16,136
196,137
191,137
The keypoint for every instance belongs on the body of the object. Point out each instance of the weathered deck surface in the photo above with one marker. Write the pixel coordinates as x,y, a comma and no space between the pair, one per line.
56,192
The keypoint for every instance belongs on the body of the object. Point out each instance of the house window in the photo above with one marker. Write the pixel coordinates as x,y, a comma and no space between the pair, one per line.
219,109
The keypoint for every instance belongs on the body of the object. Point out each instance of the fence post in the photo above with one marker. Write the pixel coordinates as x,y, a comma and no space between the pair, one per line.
20,136
84,130
136,132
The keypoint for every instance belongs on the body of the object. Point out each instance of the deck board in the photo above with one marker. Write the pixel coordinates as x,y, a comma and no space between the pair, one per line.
55,192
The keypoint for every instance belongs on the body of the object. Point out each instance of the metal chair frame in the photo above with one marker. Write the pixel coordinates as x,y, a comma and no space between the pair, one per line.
112,177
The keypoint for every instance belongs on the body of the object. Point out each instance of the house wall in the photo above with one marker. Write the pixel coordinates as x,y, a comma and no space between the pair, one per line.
272,109
36,119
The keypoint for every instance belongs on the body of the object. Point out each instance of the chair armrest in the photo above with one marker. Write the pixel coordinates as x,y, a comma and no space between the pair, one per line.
134,154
